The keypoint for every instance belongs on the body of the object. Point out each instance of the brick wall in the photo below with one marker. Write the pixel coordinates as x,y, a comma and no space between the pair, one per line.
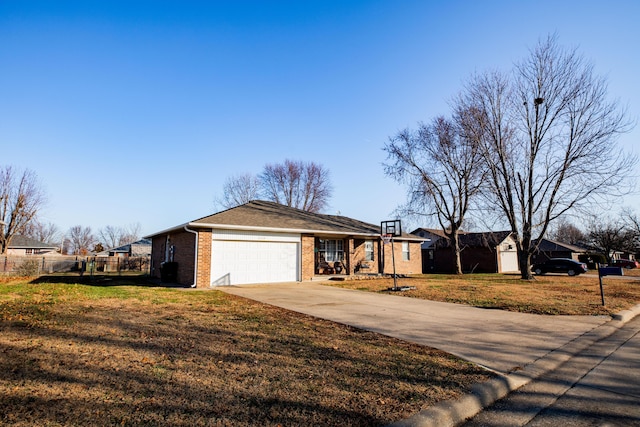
204,259
308,257
184,253
412,266
359,262
157,254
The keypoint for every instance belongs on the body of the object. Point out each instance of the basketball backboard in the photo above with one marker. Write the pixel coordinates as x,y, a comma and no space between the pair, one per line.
391,228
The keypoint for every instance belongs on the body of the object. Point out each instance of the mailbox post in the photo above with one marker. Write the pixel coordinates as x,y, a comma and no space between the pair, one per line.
607,271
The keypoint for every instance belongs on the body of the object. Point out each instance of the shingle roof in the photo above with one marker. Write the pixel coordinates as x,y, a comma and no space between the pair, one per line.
24,242
260,214
470,239
434,231
484,239
548,245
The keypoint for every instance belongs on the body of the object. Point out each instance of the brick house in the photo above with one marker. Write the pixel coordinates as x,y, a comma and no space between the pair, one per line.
483,252
265,242
25,246
548,249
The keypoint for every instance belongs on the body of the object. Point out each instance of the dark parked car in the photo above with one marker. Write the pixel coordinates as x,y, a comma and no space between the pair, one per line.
560,265
624,263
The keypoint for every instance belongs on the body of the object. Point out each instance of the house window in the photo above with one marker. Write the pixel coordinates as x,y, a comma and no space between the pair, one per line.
331,250
29,251
405,251
368,250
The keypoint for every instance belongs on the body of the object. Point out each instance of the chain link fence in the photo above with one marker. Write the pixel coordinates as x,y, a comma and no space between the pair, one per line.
39,265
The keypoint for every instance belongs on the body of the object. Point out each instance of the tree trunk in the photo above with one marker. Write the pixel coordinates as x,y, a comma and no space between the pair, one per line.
524,258
524,261
455,245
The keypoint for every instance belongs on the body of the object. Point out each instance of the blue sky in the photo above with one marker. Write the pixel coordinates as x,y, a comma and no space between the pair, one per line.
137,111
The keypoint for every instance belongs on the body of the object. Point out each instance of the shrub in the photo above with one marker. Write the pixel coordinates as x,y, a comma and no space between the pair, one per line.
28,267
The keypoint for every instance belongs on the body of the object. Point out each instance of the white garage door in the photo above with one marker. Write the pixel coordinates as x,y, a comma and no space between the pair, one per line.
236,262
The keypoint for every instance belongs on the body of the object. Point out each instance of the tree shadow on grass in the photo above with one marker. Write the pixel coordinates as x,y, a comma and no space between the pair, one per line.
106,280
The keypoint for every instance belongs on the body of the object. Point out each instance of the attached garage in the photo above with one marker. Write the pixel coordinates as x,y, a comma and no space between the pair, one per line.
266,242
240,257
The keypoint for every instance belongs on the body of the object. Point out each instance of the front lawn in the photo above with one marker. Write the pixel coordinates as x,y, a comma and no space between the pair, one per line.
549,294
88,355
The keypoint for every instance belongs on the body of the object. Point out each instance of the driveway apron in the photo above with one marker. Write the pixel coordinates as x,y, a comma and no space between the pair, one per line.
499,340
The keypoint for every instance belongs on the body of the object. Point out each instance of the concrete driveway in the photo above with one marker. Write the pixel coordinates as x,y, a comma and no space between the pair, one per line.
499,340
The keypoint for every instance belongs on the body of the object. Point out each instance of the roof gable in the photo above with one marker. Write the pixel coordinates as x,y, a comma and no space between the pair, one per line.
548,245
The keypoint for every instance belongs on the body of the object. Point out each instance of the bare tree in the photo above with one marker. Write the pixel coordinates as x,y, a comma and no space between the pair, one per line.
298,184
109,236
81,240
566,232
21,197
549,141
112,236
238,190
131,233
44,232
632,223
612,235
442,170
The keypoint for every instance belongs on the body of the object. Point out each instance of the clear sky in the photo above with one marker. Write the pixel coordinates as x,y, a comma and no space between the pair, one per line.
137,111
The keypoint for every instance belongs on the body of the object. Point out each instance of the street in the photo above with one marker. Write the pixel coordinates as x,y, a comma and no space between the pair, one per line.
598,387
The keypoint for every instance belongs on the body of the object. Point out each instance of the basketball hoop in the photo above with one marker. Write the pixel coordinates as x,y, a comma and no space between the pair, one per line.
386,238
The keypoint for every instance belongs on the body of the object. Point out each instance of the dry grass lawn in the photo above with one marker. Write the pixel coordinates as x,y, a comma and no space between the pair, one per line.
80,355
549,294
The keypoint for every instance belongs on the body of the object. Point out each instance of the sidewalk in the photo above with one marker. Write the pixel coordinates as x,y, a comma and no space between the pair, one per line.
599,386
519,346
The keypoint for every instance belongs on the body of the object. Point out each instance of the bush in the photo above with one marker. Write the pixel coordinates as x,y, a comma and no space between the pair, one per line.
28,267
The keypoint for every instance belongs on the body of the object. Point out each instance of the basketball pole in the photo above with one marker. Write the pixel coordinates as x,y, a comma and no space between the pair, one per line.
393,261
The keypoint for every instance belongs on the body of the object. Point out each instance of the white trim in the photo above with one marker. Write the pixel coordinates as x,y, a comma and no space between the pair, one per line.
277,229
281,230
255,236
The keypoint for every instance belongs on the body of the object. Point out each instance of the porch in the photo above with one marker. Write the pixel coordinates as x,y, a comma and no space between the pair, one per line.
339,257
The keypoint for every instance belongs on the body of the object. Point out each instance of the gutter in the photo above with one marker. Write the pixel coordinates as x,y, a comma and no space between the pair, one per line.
298,230
195,261
281,230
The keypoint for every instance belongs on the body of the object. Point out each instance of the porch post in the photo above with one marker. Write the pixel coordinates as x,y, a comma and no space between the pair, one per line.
351,250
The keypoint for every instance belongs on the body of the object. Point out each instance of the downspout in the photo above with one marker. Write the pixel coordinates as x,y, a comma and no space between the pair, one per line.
195,261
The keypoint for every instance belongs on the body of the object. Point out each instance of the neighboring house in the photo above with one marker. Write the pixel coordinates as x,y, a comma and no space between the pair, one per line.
132,256
140,248
625,255
554,249
486,252
23,245
265,242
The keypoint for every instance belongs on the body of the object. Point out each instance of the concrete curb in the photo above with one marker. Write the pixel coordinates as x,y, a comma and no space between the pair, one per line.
627,315
453,412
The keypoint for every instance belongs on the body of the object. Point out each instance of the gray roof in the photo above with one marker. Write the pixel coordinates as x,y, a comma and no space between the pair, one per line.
129,247
24,242
485,239
548,245
466,238
264,215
